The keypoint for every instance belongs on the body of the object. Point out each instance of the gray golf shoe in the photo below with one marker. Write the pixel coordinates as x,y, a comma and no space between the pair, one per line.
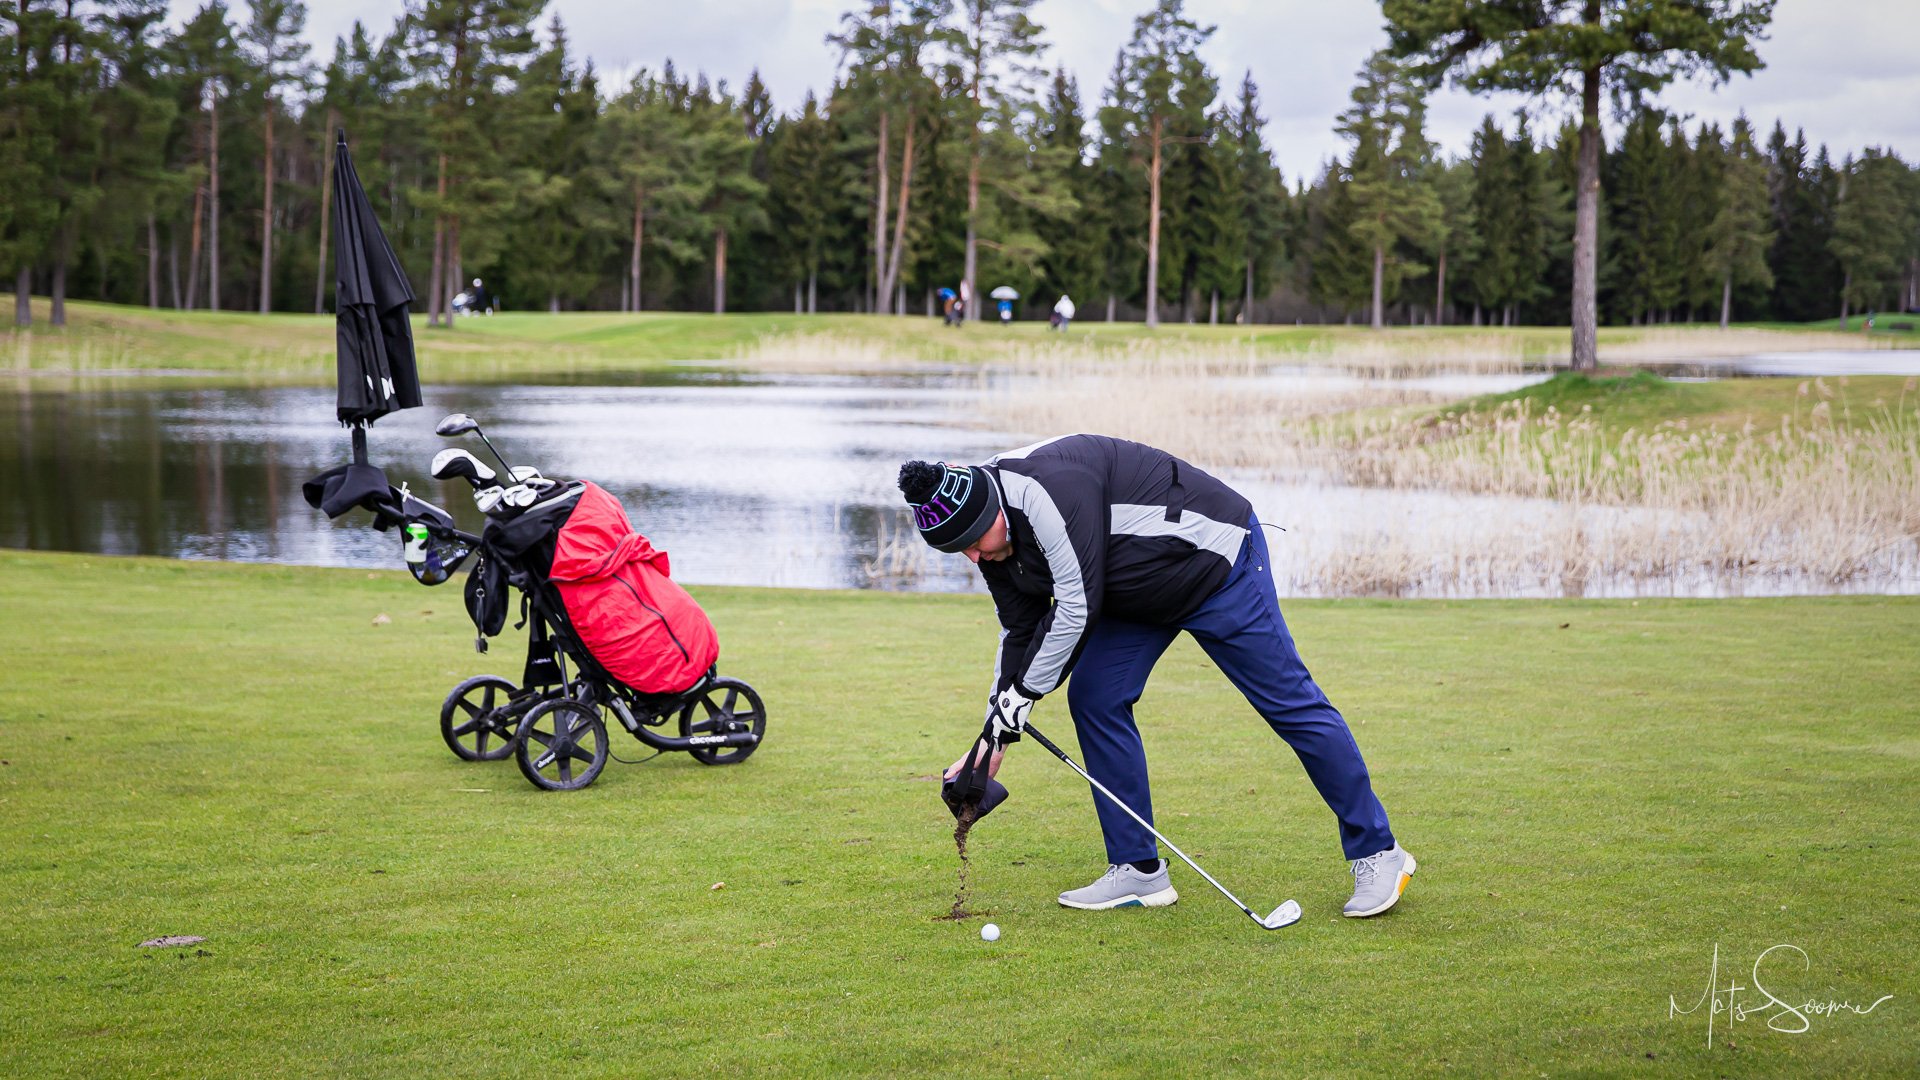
1378,881
1123,886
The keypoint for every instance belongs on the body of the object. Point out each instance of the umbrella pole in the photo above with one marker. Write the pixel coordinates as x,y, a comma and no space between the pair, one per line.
359,444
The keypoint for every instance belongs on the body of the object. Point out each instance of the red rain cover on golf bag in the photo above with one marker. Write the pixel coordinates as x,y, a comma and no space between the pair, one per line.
641,626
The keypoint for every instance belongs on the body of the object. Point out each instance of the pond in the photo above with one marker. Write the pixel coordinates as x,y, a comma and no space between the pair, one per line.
771,480
756,481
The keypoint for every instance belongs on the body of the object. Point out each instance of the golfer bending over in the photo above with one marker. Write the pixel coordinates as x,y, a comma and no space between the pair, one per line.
1098,552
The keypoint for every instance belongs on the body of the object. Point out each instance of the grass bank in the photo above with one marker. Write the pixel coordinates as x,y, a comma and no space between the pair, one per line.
108,339
1600,793
1644,400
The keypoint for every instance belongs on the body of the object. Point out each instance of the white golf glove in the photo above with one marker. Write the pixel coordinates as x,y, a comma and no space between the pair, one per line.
1007,716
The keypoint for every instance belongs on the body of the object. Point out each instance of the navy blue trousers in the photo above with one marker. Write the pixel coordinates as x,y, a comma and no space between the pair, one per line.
1241,630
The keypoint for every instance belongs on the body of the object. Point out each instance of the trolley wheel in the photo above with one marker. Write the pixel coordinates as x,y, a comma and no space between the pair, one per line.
479,718
562,745
725,706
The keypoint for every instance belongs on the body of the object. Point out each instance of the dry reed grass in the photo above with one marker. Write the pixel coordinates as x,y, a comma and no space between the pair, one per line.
1391,354
1814,505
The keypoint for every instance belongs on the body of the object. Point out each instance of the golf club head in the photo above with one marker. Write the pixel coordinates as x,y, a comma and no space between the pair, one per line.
1285,915
454,461
520,474
455,424
488,499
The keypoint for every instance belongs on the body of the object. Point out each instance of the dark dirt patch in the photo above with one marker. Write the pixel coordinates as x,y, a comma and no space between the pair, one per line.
962,825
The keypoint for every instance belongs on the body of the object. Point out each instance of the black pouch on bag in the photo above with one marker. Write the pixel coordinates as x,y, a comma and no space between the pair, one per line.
487,595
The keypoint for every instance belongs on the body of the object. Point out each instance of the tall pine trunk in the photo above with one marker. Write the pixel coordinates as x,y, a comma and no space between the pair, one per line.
326,210
1213,309
437,276
193,254
153,262
173,263
1379,282
813,291
1586,221
878,283
1111,304
892,281
213,211
1726,301
720,271
639,238
1153,228
971,262
57,294
23,297
266,217
1846,299
1440,292
456,274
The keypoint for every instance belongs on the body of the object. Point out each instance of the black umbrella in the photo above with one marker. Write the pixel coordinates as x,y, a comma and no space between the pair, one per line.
375,340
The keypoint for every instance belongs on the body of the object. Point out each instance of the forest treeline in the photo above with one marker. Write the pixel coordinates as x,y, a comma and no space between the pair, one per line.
190,167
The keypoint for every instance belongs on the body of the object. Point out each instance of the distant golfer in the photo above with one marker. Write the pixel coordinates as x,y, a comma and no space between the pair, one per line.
1098,552
1063,310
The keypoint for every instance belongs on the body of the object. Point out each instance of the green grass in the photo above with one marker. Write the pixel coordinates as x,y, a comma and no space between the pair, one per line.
1599,794
1893,324
1642,399
282,348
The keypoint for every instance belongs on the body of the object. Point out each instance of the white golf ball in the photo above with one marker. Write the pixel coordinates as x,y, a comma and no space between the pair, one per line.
990,932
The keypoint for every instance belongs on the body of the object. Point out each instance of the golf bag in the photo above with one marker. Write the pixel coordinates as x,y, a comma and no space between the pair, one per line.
606,590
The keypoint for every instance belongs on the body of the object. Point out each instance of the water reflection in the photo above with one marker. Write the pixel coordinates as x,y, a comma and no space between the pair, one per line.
765,481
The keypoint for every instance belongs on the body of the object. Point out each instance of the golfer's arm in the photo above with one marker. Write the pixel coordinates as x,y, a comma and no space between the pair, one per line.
1020,617
1071,531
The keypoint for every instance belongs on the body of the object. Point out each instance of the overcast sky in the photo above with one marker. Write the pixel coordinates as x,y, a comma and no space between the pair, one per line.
1842,69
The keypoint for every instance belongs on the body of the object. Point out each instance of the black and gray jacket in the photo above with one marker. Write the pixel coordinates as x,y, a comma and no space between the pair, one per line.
1101,527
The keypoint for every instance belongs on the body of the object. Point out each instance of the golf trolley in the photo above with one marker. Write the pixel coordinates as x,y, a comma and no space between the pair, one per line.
554,721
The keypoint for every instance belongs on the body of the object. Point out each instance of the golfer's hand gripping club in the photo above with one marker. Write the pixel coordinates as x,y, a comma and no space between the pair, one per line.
1007,713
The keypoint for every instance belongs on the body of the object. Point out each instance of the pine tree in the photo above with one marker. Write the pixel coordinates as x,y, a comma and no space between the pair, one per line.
1542,46
729,198
279,60
1738,237
1871,230
1392,207
807,192
466,52
1158,101
1074,241
1260,196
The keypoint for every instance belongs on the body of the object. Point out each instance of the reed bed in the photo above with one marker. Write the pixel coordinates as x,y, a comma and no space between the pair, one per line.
1397,353
1827,501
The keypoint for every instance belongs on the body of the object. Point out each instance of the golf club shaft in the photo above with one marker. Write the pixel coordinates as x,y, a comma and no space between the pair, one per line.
496,452
1102,789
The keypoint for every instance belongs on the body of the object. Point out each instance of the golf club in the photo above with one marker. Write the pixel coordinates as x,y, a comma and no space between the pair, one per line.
460,423
1285,915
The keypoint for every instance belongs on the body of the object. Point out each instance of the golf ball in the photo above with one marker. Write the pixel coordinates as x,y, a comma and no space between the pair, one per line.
990,932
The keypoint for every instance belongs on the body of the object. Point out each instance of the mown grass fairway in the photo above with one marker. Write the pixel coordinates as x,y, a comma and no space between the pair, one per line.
286,348
1599,793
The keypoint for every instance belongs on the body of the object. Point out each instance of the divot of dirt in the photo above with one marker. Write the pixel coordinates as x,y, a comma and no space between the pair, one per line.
961,826
171,940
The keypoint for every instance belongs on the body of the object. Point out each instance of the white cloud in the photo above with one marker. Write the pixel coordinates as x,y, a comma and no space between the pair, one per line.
1841,69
